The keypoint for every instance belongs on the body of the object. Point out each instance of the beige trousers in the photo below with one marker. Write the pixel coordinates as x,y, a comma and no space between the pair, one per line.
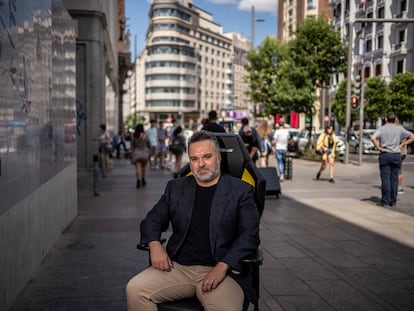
153,286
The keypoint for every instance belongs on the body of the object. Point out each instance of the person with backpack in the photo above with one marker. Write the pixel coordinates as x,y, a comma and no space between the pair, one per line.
178,148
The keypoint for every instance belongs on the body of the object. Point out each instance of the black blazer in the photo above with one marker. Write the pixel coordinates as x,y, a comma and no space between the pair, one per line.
234,221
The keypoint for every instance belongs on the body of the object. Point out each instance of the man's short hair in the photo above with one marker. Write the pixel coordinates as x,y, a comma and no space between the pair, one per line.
245,121
201,136
212,115
391,117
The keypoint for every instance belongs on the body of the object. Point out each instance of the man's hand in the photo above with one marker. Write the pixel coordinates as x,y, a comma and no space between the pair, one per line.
159,257
214,277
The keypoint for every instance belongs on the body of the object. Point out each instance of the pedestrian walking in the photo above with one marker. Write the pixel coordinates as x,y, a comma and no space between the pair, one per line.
326,146
389,139
265,146
178,148
140,146
162,136
280,140
105,146
400,174
117,141
170,138
152,136
251,143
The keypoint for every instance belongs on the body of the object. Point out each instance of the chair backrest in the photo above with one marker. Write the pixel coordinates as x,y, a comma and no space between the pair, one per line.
235,161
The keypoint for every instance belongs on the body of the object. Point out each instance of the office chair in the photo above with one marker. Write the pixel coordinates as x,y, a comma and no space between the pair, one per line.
235,161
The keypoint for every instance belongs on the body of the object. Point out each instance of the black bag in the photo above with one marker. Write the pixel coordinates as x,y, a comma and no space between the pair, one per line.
177,146
320,151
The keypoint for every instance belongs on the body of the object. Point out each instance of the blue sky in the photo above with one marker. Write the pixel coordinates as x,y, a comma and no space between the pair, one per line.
233,15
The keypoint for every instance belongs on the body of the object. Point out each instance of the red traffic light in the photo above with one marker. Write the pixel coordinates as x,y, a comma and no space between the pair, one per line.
354,102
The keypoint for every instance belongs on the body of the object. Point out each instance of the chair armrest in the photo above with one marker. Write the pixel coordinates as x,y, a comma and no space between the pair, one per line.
258,259
145,247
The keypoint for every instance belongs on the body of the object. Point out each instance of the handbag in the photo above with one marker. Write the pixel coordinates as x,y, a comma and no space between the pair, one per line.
139,155
320,151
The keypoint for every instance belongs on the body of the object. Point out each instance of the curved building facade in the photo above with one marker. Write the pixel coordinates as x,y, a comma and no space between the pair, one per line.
187,62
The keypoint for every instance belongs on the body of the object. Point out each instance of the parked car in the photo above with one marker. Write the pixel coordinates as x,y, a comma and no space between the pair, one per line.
368,148
304,139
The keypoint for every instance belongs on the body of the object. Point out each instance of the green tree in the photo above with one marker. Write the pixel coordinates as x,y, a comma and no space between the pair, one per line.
129,120
262,73
285,76
318,49
401,96
294,88
375,99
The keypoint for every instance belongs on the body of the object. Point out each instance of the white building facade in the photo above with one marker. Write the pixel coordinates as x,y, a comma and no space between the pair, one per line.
186,68
380,49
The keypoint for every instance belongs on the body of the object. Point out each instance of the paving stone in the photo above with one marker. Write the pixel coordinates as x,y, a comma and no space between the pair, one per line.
307,269
342,296
311,302
281,282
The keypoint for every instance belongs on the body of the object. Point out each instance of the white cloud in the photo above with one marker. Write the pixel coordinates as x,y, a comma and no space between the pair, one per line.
268,6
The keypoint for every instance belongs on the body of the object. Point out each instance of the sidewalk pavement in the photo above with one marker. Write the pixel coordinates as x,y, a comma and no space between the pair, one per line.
326,246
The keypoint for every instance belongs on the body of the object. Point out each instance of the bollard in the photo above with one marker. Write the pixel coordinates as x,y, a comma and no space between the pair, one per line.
95,175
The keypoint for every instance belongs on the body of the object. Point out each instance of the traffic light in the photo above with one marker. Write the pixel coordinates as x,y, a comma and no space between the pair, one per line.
356,86
354,102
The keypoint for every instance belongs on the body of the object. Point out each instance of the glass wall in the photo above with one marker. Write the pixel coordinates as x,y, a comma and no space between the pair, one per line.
37,96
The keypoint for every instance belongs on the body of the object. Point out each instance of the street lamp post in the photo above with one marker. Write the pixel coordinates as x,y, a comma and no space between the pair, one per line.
254,20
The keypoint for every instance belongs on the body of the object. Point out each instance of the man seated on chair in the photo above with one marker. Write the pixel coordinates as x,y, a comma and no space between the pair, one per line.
215,224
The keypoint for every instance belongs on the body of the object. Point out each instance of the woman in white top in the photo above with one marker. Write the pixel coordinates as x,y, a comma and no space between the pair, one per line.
280,139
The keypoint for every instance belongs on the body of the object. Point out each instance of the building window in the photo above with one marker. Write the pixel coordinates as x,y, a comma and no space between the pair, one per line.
378,69
400,66
311,5
367,72
380,42
381,12
403,5
368,45
401,36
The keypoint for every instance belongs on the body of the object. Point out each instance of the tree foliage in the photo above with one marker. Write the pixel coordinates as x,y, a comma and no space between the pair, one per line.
285,76
262,72
318,49
375,101
401,96
379,98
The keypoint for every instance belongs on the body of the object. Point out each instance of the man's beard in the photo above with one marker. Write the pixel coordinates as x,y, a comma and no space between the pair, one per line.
208,176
